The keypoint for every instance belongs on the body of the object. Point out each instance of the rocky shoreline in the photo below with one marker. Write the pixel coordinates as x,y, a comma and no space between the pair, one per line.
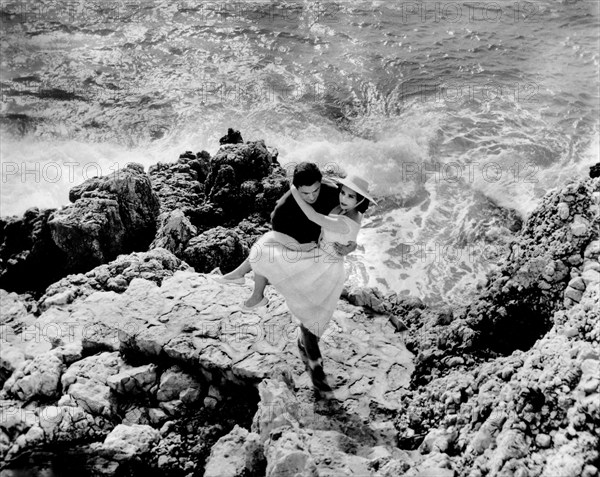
120,353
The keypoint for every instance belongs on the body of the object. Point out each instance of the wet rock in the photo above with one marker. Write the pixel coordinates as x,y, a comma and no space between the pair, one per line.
232,137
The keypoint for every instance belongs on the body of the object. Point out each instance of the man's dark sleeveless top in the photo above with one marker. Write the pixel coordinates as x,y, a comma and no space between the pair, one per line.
289,219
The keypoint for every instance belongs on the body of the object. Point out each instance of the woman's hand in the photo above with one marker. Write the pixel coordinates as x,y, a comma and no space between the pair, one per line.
295,192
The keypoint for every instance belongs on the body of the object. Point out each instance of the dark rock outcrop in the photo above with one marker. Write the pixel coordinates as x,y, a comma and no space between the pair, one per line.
237,188
232,137
109,215
29,258
217,247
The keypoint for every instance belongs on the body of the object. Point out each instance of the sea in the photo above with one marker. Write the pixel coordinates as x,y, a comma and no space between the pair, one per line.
461,115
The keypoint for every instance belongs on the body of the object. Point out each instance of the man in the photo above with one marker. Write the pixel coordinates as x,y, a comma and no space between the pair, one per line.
288,218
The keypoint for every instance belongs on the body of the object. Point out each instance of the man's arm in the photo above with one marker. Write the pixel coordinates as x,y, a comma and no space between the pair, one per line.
344,250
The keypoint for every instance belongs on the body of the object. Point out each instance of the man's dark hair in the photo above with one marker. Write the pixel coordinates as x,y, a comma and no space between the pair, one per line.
361,207
306,174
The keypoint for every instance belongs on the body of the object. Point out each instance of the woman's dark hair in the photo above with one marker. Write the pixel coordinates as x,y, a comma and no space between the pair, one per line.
363,206
306,174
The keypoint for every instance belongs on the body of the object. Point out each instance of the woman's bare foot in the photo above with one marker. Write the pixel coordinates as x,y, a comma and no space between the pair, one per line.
254,300
235,275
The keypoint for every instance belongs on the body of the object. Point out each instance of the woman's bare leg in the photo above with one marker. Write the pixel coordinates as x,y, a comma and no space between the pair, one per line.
258,293
240,271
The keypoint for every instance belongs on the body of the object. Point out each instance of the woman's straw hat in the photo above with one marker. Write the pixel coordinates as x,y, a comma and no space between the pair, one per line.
357,184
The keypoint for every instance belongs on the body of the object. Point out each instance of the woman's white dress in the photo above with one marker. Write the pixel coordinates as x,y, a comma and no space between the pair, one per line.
311,281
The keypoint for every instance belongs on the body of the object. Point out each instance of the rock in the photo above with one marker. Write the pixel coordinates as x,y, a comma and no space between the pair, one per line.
134,381
174,232
276,408
11,358
573,294
563,210
592,249
232,137
180,185
126,442
217,247
591,385
543,440
589,277
580,226
29,257
110,215
37,379
156,265
590,471
176,384
563,464
577,283
445,316
236,454
438,441
595,170
157,416
287,453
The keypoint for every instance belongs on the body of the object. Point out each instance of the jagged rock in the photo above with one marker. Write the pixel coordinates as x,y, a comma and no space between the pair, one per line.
155,265
29,257
174,232
232,137
218,247
241,180
132,381
176,384
287,453
595,170
521,310
37,378
235,455
126,442
110,215
86,381
277,403
181,185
